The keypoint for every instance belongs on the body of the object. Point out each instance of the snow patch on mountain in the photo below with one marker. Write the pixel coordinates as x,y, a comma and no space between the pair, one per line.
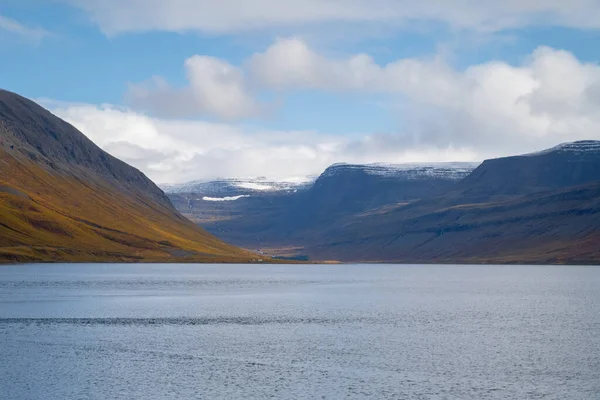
451,171
227,198
232,187
229,187
579,147
256,186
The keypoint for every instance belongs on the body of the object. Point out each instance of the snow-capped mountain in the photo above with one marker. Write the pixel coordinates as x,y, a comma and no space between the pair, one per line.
565,165
579,147
233,187
450,171
543,203
355,188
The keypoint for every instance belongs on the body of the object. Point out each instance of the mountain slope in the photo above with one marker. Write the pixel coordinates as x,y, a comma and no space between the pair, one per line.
287,219
568,164
206,202
350,188
64,199
560,226
536,208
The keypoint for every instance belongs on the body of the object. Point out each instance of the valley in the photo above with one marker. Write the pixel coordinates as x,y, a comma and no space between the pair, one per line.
534,208
62,198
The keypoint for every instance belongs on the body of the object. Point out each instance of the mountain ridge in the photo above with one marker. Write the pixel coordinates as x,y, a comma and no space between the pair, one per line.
24,119
446,170
540,207
568,164
268,219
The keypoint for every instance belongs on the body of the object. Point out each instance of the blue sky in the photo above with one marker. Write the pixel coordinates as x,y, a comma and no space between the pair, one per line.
298,85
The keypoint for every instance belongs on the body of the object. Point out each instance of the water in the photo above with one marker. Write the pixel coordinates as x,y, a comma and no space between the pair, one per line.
299,332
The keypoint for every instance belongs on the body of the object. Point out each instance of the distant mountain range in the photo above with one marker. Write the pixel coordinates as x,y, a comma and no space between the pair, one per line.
236,186
533,208
64,199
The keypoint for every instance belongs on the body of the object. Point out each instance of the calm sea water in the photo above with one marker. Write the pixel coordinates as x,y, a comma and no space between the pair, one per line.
299,332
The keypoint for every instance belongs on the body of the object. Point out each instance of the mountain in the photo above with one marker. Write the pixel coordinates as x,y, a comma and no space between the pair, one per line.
560,226
283,219
64,199
206,202
534,208
350,188
230,187
565,165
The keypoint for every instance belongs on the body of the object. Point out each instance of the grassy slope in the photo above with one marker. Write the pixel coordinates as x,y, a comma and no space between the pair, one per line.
556,226
560,226
48,217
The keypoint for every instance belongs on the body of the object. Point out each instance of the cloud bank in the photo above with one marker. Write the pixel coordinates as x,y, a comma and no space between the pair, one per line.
492,108
551,97
486,110
175,151
235,16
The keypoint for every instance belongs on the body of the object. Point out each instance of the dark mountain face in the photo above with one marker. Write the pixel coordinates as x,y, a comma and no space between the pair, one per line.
345,188
547,227
31,131
270,219
566,165
539,208
536,208
64,199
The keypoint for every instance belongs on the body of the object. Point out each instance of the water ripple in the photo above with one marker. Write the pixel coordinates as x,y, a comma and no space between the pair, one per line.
180,321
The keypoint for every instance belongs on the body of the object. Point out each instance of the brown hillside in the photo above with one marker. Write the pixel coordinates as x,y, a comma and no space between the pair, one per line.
64,199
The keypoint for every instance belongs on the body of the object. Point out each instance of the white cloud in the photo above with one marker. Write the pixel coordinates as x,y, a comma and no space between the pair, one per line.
552,94
16,28
552,97
292,64
491,109
228,16
171,151
540,103
215,88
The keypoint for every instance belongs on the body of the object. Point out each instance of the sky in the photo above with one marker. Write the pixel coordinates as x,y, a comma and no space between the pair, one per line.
198,89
